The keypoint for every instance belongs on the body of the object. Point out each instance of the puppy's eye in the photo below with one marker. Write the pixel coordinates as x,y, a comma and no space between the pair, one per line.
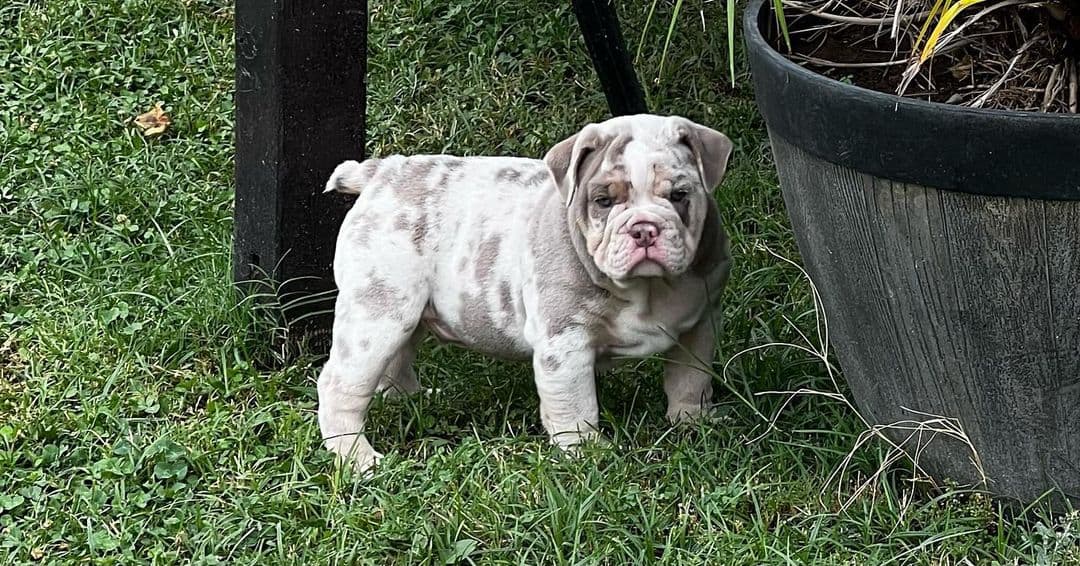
603,201
678,195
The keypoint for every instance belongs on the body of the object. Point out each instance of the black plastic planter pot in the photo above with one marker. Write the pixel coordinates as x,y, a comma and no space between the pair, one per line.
945,243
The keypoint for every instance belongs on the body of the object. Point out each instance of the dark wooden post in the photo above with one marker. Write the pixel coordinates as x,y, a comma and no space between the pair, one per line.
600,25
300,102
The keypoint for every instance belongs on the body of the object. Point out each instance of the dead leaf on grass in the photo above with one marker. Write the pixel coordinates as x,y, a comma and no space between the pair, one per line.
154,122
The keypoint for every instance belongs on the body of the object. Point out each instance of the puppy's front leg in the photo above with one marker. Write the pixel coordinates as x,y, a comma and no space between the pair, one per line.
688,388
566,382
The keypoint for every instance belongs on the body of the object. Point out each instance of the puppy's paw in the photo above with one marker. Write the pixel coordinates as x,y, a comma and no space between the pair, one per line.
394,393
679,413
571,442
398,382
397,391
356,452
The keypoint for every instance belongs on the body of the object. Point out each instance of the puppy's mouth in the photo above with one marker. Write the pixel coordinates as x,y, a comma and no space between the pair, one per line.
647,262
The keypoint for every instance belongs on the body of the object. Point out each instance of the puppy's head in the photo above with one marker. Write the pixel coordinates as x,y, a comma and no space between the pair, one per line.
638,189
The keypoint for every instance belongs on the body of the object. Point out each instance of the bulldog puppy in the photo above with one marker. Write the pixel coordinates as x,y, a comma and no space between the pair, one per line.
610,246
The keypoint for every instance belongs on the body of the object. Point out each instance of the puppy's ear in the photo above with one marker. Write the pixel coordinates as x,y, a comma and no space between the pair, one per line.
711,149
565,158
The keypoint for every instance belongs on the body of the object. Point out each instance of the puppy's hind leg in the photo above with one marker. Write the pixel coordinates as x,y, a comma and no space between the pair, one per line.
371,326
399,379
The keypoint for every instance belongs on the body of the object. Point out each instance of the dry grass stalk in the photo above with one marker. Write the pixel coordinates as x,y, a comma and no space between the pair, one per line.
916,434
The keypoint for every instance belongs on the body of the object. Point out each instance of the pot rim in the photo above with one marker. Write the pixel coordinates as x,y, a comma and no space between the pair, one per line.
973,150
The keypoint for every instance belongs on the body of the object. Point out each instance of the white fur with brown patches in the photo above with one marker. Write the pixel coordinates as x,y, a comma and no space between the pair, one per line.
514,258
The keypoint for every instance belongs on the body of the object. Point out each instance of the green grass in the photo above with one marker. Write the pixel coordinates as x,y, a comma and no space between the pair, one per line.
135,426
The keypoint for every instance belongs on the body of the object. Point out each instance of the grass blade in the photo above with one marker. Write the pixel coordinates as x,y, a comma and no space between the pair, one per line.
731,39
778,10
670,32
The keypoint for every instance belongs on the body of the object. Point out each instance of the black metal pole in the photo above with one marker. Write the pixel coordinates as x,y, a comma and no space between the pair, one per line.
300,102
600,26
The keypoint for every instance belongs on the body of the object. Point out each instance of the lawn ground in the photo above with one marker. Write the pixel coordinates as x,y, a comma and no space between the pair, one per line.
135,426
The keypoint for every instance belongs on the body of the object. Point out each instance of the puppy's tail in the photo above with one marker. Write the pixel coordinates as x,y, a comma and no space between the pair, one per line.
351,177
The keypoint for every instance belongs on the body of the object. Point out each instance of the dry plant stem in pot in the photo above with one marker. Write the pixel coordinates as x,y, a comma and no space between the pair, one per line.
942,240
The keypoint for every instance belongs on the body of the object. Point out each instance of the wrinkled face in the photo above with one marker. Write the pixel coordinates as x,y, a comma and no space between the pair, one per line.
644,204
638,189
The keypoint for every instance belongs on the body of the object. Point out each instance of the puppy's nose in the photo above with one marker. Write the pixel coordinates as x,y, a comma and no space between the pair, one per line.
644,233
